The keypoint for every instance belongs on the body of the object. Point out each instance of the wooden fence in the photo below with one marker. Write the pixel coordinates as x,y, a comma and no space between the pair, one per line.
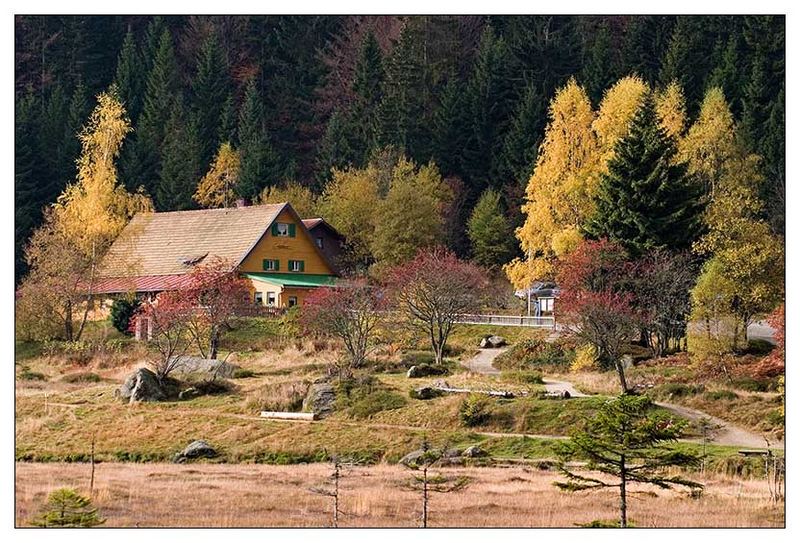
509,320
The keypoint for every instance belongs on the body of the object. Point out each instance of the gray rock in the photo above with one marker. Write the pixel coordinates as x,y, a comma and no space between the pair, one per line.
195,449
320,399
209,368
425,370
493,342
142,386
411,458
189,393
452,453
425,392
473,451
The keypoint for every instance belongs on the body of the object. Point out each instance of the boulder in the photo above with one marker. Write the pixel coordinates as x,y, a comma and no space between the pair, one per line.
320,399
425,370
207,368
195,449
473,451
189,393
493,342
425,392
410,460
452,453
142,386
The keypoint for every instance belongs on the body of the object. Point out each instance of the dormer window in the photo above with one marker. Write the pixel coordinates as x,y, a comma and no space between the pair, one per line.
319,243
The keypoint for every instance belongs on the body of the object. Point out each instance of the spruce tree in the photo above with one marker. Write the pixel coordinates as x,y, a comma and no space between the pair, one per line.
367,91
227,119
162,87
598,72
645,42
259,166
448,137
27,194
129,77
645,200
688,58
51,140
211,88
334,149
726,74
490,233
521,142
181,165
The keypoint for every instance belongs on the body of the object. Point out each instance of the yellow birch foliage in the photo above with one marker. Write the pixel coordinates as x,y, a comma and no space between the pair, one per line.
93,211
302,199
349,203
710,146
619,105
559,194
218,187
671,109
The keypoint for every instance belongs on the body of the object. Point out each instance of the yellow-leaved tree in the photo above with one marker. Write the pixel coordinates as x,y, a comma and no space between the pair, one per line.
349,203
671,109
302,199
745,276
559,194
217,188
65,252
619,105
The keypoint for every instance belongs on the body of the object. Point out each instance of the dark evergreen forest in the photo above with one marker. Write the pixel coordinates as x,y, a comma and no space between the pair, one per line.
300,95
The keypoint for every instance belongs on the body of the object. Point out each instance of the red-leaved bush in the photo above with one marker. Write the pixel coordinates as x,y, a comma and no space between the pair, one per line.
774,363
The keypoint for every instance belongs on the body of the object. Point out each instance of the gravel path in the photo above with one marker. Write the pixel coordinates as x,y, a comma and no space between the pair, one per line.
551,385
482,362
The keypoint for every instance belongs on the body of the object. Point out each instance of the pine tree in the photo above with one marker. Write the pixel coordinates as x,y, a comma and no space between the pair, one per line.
490,232
152,40
211,88
27,196
688,59
448,137
646,40
334,150
521,142
367,91
646,201
489,102
727,73
227,119
129,77
181,160
162,87
598,72
259,164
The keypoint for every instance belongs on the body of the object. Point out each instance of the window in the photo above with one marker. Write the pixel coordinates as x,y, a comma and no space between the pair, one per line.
296,265
271,299
319,243
283,230
259,298
270,265
292,301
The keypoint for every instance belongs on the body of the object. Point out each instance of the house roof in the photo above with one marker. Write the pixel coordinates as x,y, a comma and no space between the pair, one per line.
170,243
142,283
311,223
293,280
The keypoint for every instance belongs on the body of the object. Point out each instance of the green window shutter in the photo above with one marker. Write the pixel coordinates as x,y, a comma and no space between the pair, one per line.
291,266
302,265
274,229
292,230
277,264
265,264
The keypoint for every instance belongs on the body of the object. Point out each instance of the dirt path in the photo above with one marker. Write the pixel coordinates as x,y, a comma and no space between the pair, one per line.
551,385
482,362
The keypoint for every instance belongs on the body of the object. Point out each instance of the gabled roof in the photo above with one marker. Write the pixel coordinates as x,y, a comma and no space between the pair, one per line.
311,224
173,242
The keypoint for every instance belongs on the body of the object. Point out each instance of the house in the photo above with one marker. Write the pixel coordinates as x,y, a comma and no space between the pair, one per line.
541,298
269,245
328,239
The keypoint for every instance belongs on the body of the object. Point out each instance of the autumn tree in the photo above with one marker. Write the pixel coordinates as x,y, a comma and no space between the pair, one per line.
432,290
559,194
774,364
218,187
410,217
490,232
596,304
65,256
166,319
671,110
620,104
352,312
216,295
645,200
302,199
629,444
349,203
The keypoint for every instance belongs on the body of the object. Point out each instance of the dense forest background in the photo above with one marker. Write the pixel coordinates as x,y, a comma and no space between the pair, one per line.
299,95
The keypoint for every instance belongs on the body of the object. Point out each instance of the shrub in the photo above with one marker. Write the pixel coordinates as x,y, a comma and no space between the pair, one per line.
65,508
241,373
679,389
82,377
716,395
759,347
586,359
474,410
27,375
214,386
121,312
285,396
375,402
416,358
427,370
533,352
751,384
524,377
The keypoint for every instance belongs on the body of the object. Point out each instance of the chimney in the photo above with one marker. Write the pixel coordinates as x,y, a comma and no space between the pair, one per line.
241,202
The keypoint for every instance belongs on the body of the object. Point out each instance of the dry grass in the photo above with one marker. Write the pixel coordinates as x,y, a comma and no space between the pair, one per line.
251,495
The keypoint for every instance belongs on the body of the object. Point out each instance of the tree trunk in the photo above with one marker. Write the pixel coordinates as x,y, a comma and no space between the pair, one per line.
621,374
425,497
623,499
68,321
214,346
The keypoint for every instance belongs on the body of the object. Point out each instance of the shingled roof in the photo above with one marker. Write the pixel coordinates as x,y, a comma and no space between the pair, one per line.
170,243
